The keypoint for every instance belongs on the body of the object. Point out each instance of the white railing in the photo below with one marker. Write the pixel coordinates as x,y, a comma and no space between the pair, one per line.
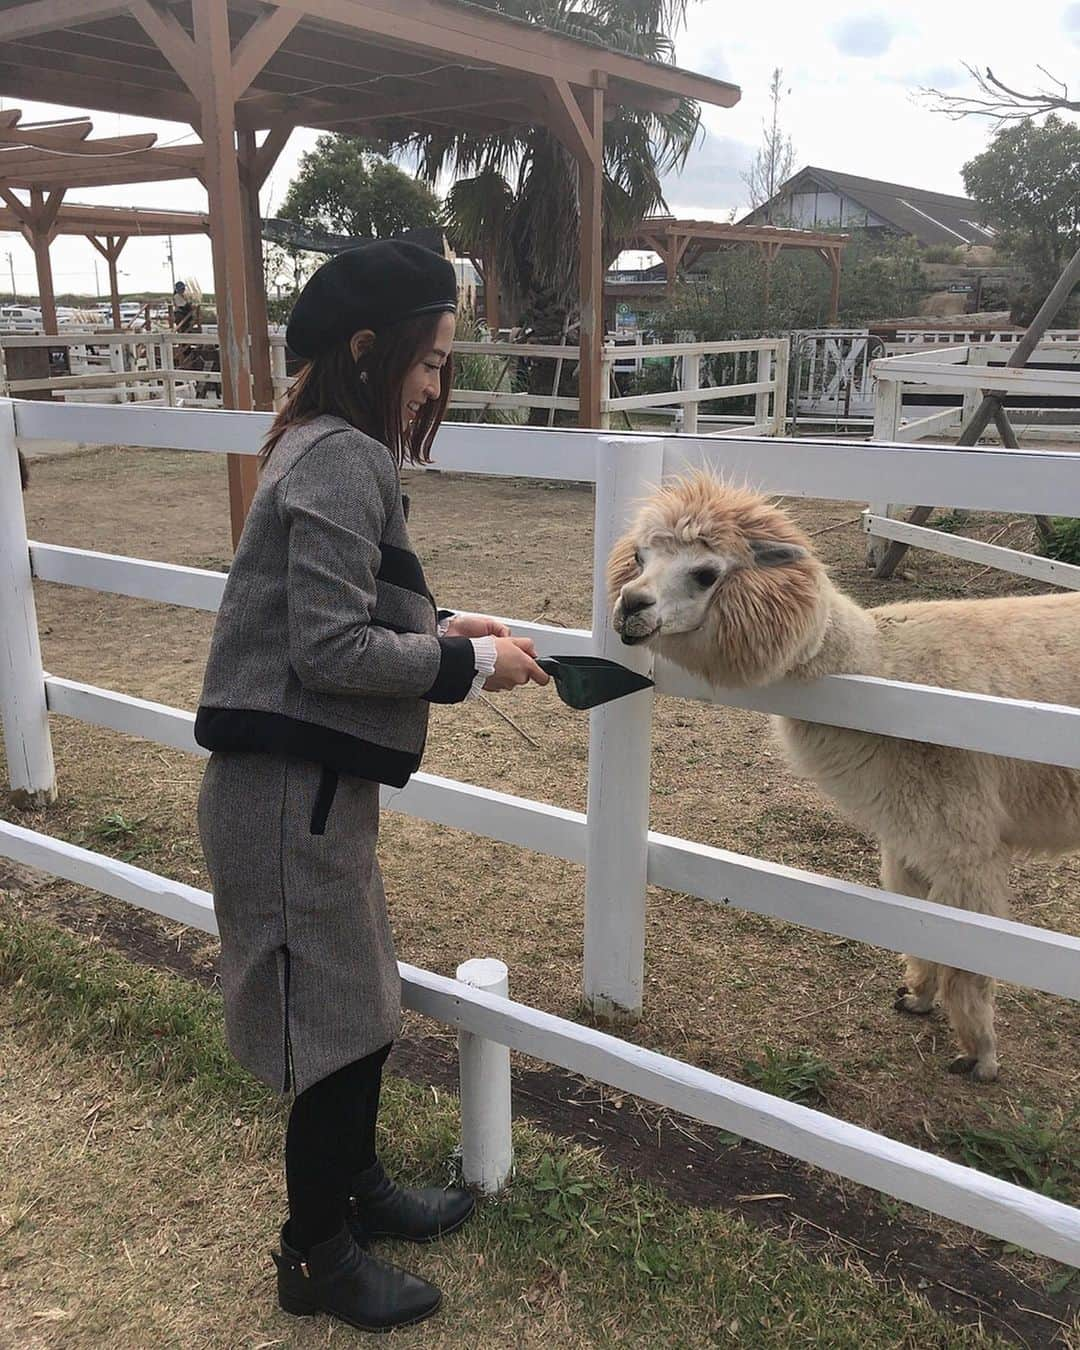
146,368
622,853
963,370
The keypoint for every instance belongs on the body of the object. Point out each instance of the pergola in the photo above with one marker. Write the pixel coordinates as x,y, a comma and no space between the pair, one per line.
108,228
680,243
238,70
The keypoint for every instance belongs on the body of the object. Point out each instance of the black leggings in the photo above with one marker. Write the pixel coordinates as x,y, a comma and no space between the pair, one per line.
330,1138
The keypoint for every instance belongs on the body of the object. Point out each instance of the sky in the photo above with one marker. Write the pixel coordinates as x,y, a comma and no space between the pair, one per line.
851,75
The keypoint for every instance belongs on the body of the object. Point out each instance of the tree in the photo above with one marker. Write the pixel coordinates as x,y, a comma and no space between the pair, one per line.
345,187
522,183
1028,182
775,160
1000,101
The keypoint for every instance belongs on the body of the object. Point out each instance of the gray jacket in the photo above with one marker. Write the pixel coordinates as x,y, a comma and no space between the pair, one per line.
325,645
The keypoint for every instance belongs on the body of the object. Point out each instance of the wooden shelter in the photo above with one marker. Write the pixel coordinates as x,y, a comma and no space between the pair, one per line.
108,228
680,243
236,69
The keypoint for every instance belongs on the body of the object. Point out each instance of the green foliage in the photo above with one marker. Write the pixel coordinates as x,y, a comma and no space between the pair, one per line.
1028,181
520,187
1030,1152
880,279
344,187
117,835
478,371
943,253
1064,543
794,1074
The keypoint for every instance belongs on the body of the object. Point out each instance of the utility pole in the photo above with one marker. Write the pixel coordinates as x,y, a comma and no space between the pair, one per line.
97,281
11,264
172,269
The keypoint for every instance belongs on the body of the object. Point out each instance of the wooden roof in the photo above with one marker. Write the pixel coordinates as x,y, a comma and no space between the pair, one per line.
665,228
127,222
375,66
62,154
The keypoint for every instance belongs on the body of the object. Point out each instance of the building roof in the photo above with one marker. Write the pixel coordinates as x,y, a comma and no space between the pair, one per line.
931,217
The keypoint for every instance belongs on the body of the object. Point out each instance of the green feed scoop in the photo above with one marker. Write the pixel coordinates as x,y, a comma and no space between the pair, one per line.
585,682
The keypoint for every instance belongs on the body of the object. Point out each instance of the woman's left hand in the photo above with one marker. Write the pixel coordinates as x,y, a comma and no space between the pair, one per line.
476,626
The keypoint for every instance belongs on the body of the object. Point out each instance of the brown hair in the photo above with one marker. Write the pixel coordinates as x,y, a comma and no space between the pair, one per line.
367,392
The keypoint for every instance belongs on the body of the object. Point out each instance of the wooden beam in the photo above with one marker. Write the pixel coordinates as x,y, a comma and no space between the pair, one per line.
51,85
266,156
70,136
566,119
171,38
486,39
227,235
10,117
259,44
39,242
42,16
31,154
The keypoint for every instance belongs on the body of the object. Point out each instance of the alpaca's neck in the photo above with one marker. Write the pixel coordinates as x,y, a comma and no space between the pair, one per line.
848,644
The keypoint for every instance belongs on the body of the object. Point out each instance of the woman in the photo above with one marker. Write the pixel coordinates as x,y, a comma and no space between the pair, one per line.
327,651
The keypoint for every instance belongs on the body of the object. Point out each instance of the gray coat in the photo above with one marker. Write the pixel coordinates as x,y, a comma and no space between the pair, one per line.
323,661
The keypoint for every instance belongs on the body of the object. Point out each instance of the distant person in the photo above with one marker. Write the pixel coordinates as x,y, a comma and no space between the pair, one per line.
183,310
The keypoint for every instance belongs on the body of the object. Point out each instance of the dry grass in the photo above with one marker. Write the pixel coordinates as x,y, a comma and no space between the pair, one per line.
139,1190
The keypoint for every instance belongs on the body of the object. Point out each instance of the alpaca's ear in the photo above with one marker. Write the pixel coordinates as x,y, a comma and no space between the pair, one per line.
773,553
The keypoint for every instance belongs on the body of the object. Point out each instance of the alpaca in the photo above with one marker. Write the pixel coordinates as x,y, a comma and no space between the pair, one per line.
725,585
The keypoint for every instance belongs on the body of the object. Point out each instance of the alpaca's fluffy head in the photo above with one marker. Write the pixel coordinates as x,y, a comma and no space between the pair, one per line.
720,580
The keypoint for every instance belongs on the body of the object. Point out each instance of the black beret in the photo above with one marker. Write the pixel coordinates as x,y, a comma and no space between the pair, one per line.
372,286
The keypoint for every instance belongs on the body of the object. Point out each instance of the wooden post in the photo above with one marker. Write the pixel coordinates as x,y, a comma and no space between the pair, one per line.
888,407
591,193
278,369
620,746
227,230
168,369
43,217
487,1151
23,711
258,320
780,382
762,373
110,249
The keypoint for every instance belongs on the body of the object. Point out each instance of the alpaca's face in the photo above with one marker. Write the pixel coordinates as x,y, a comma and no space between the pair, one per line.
672,591
719,579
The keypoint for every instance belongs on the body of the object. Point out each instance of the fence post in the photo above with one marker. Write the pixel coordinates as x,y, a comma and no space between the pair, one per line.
763,372
978,355
888,404
607,379
691,379
780,390
278,369
487,1152
168,369
620,745
118,366
23,712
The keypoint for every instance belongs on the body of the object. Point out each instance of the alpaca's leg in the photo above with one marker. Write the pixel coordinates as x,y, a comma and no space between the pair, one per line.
969,999
921,978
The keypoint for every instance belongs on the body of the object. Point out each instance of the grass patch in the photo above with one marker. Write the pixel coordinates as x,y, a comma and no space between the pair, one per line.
1063,544
795,1074
140,1185
1030,1151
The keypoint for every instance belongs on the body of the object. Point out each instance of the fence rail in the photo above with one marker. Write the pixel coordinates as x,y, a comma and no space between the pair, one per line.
613,836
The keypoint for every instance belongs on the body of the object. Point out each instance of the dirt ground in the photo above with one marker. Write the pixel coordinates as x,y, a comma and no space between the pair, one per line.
721,986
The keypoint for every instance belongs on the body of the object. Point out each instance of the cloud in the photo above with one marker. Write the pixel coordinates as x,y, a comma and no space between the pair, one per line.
933,77
868,36
711,178
1070,21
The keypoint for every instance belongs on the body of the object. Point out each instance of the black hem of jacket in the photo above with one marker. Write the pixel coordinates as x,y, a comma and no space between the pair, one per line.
255,731
457,670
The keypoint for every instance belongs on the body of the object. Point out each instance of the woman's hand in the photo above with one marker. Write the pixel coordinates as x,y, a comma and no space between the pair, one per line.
476,625
515,663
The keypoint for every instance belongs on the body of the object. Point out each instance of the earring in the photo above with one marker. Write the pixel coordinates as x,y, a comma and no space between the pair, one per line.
363,377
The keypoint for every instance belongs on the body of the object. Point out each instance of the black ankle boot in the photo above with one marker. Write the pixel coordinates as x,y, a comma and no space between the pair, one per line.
338,1278
379,1208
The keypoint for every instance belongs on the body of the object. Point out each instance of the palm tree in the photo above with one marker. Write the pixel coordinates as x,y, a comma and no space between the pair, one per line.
514,205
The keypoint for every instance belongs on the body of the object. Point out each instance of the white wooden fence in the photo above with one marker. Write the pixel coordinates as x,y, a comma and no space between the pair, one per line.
962,369
621,853
144,368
